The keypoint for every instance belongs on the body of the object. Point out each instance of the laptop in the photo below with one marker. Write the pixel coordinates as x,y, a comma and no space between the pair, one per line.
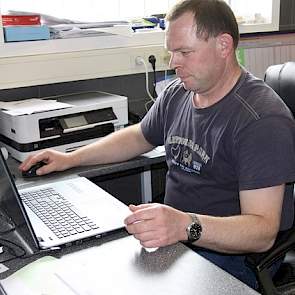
58,213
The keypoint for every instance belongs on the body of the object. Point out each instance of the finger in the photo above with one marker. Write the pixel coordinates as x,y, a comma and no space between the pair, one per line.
34,159
25,162
44,169
139,215
143,208
28,163
141,227
152,238
134,208
145,237
42,157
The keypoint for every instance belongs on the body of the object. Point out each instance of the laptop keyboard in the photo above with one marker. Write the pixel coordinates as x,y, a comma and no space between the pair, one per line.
57,213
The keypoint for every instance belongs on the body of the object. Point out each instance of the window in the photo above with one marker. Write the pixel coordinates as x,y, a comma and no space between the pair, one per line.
256,16
252,15
93,10
249,12
252,11
84,11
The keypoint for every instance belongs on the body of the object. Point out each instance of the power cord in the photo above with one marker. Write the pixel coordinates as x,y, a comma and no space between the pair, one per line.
12,249
152,61
140,60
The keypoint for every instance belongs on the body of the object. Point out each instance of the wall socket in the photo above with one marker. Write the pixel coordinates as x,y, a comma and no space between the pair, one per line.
139,60
161,55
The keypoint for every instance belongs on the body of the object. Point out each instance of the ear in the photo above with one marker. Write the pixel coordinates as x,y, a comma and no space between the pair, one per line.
225,44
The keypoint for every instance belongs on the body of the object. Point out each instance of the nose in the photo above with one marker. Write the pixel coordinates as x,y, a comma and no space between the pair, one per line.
173,60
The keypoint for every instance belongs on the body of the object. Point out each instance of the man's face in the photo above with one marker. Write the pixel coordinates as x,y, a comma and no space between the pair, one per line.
195,61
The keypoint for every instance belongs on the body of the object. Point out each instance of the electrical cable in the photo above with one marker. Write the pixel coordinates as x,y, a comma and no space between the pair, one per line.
152,61
146,105
140,60
12,248
7,220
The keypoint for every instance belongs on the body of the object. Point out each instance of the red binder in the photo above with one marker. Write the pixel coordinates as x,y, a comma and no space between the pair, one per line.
21,20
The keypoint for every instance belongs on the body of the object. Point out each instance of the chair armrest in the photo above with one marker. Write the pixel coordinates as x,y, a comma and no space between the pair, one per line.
285,241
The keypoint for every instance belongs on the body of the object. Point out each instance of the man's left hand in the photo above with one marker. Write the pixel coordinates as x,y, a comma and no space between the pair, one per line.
157,225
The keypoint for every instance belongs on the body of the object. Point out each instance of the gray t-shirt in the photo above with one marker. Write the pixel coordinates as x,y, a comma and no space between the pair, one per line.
245,141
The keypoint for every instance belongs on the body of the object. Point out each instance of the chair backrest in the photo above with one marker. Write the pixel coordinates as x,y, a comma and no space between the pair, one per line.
281,78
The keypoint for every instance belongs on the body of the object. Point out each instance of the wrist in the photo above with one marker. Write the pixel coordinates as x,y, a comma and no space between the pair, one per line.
194,228
74,159
186,221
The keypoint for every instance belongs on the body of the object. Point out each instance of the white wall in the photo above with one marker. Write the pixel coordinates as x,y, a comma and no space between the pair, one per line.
257,60
81,65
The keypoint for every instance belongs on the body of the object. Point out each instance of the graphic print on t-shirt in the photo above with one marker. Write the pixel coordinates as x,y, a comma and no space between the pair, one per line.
187,155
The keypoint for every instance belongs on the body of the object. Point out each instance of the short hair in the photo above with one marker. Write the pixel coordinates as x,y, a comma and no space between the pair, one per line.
212,18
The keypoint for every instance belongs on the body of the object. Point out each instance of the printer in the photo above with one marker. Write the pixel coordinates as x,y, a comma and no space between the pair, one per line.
87,117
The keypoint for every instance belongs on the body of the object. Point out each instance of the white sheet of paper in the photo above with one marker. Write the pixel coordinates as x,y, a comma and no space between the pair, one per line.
38,278
30,106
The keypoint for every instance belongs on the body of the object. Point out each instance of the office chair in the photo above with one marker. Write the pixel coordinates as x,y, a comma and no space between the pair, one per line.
282,79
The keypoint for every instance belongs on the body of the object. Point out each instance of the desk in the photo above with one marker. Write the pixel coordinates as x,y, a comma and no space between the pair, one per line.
121,266
117,264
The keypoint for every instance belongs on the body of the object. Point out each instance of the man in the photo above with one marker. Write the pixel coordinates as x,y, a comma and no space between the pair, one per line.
229,143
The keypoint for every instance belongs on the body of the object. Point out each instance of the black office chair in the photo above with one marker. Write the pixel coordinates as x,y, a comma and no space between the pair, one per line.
282,79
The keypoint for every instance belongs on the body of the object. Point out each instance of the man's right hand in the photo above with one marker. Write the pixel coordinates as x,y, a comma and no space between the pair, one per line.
54,161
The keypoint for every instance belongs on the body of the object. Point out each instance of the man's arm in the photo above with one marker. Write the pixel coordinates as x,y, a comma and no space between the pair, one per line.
254,230
116,147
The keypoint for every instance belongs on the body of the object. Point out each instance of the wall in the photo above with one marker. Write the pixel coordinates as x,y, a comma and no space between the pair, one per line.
262,51
257,60
30,69
259,53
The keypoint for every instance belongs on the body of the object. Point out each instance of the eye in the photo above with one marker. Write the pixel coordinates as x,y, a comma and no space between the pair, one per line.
186,53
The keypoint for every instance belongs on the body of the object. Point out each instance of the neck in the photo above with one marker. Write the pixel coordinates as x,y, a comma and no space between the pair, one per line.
223,86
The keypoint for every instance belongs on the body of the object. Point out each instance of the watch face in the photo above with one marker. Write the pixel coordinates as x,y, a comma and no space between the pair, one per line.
195,231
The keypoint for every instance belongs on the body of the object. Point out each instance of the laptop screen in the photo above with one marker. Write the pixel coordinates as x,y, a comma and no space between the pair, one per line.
12,211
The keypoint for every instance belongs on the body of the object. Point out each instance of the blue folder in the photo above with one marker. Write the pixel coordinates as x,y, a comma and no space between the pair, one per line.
26,33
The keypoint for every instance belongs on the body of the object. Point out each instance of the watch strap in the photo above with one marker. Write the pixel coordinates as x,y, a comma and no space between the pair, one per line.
194,229
194,217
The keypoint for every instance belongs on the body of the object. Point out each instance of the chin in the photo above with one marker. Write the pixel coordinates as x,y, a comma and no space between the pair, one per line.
187,86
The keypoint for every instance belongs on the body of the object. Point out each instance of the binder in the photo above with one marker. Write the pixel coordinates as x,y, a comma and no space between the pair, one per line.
20,20
26,33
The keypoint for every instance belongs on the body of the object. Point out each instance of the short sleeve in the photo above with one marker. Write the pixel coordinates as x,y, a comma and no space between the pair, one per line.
266,153
152,125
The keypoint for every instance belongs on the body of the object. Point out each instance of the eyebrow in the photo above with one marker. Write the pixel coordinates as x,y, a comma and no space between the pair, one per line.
182,49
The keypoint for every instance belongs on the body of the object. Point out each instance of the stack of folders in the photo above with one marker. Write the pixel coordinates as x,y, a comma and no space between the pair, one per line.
24,28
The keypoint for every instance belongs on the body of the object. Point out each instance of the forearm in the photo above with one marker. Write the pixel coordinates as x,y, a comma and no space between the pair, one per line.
236,234
116,147
253,231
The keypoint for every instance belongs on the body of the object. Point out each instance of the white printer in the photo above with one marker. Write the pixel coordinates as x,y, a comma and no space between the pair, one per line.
91,115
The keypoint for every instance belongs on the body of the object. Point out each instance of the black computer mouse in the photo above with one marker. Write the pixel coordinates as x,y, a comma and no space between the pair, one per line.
31,172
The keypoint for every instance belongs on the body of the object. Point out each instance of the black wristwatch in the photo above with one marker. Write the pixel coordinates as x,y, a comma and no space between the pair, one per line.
194,229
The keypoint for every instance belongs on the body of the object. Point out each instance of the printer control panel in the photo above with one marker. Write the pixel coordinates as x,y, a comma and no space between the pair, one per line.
63,124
